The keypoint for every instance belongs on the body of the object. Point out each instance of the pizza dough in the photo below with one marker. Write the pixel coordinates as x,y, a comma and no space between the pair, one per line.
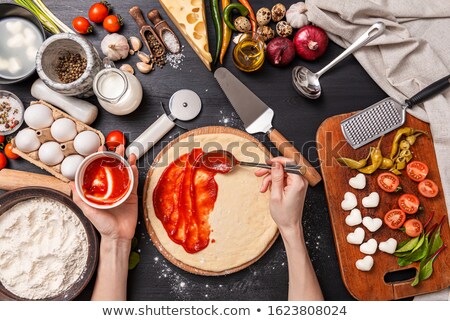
241,225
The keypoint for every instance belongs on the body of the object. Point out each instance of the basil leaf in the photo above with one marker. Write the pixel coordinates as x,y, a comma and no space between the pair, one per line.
435,241
408,246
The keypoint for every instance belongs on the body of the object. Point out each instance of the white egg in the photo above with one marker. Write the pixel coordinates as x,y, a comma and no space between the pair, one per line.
70,165
27,141
63,130
38,116
86,143
51,154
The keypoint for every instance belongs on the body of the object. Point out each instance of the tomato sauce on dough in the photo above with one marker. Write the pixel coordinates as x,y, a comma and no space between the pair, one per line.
183,199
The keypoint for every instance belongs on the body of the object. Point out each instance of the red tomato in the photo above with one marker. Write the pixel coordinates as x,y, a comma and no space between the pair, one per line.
82,25
394,218
114,139
2,139
112,23
99,11
2,161
413,227
428,188
388,182
417,171
409,203
9,153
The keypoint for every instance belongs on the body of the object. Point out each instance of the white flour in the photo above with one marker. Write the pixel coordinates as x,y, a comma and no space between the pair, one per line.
43,248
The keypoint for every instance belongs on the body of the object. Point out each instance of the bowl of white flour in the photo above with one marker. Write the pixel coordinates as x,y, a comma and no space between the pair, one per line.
48,248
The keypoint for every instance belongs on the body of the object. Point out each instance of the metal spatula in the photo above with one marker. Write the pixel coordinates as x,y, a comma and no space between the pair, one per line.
385,116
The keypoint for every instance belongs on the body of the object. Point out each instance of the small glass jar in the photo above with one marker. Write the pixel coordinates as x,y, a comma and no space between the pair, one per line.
118,92
248,54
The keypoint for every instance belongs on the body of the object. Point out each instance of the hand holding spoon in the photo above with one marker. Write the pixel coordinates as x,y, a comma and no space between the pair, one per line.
223,161
307,84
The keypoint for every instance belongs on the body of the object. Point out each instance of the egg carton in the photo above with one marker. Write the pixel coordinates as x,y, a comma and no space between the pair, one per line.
44,136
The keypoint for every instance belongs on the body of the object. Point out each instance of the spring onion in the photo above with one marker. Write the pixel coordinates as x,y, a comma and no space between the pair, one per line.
50,22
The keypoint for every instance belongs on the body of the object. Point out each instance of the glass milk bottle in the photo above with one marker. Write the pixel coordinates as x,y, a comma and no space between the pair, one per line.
118,92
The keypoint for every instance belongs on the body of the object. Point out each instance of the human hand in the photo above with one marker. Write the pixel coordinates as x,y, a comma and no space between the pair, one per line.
287,194
118,223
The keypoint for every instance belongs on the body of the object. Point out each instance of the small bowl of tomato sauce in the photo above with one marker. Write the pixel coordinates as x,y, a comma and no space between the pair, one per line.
104,180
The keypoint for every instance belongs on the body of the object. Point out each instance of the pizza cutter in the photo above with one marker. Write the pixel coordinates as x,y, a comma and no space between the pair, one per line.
183,105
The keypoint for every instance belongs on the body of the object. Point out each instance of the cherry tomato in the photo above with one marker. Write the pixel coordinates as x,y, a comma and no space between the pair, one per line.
82,25
114,139
3,161
99,11
9,153
428,188
413,227
2,139
417,171
395,218
409,203
388,182
112,23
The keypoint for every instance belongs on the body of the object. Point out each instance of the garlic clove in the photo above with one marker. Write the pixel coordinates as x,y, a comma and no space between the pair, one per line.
144,68
136,43
143,57
127,68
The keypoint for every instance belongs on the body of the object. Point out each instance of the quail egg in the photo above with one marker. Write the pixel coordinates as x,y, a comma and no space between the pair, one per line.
50,153
278,12
284,29
63,130
38,116
242,24
266,33
263,16
86,143
27,141
70,165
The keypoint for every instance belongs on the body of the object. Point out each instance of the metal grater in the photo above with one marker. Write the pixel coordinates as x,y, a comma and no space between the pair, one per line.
385,116
373,122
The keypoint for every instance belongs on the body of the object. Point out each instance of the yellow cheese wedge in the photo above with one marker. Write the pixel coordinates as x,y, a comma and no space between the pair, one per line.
189,17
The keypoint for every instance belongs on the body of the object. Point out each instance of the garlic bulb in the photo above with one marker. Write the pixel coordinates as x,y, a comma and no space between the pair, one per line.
296,17
115,46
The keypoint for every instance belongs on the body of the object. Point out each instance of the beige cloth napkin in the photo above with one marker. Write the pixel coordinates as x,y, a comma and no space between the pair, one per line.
412,53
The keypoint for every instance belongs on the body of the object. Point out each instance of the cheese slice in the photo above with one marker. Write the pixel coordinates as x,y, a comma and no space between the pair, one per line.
189,17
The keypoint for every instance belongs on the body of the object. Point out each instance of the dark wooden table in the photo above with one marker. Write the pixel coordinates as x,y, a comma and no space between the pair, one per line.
346,88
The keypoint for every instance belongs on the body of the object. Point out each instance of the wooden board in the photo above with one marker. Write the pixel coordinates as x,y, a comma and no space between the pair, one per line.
371,285
153,236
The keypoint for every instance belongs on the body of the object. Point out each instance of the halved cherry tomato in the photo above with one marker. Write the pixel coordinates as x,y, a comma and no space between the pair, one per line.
388,182
3,161
395,218
82,25
99,11
428,188
409,203
2,139
114,139
9,153
417,171
112,23
413,227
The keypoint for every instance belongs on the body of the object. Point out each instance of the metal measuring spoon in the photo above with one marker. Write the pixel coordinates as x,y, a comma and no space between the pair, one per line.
307,84
223,161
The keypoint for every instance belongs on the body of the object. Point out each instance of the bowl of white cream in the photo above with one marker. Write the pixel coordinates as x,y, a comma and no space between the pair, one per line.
22,34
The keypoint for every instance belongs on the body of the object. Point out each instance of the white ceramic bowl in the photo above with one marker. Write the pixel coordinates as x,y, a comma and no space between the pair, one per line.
80,174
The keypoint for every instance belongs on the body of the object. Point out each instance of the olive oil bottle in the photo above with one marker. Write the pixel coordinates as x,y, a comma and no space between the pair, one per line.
248,54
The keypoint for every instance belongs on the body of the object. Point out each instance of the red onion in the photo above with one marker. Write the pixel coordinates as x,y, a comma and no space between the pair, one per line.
311,42
280,51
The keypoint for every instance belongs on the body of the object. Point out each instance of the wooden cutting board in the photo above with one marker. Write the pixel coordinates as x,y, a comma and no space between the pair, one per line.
372,285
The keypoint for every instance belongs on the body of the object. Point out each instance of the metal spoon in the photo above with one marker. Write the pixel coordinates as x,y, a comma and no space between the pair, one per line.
224,162
307,83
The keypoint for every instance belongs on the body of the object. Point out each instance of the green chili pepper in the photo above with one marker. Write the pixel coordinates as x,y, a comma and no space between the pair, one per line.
376,158
217,20
386,163
411,139
354,164
227,13
404,145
